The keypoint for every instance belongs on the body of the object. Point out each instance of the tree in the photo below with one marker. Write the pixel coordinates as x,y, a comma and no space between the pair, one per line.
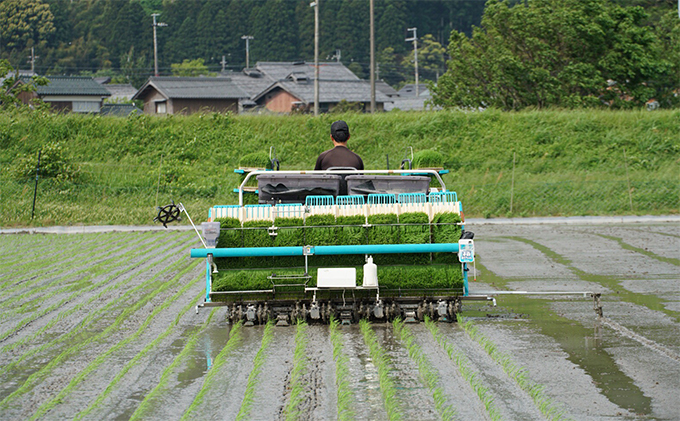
552,53
431,58
24,24
195,67
10,89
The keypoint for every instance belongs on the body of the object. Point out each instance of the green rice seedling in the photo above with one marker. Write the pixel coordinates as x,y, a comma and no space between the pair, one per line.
384,230
39,375
297,387
420,277
244,280
463,364
290,233
135,360
415,234
445,230
345,395
256,234
235,339
80,291
231,236
254,376
547,407
145,406
428,158
351,233
101,358
382,364
80,281
316,234
92,316
428,373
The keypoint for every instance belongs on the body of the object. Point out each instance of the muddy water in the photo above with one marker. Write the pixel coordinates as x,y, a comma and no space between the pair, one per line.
635,268
626,366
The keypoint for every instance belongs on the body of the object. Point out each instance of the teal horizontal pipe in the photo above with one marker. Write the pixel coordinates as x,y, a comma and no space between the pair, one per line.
327,250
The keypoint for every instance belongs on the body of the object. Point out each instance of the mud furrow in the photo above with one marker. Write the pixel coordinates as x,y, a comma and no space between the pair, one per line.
82,280
50,262
264,394
109,333
222,389
367,400
511,402
89,388
71,305
52,274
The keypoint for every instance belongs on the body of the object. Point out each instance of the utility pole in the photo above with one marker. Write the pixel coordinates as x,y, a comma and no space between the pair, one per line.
155,42
247,38
372,46
315,5
223,63
32,60
414,38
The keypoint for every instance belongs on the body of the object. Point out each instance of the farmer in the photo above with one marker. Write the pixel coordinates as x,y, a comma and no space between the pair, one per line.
340,155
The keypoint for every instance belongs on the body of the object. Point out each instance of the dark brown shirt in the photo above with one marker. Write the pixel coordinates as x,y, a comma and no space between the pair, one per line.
339,156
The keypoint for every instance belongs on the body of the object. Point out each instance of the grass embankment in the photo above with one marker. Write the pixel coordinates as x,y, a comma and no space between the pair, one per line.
116,171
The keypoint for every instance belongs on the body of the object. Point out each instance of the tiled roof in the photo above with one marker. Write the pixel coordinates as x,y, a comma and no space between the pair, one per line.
252,86
330,91
327,70
193,88
121,90
72,85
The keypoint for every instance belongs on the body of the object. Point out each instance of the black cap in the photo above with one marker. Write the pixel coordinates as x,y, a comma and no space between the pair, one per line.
340,131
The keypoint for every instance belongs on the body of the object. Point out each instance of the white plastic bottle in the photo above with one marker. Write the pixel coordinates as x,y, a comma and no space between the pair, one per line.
370,273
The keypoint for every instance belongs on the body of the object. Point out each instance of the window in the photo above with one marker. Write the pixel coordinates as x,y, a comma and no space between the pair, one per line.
85,106
161,107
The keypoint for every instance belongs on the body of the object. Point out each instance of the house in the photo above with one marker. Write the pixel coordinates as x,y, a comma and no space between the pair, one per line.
187,95
119,110
283,87
120,92
76,94
408,101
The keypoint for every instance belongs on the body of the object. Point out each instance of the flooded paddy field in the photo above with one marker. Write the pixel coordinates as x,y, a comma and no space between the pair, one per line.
103,326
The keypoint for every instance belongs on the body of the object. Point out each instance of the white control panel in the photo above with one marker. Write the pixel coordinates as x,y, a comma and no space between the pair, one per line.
466,251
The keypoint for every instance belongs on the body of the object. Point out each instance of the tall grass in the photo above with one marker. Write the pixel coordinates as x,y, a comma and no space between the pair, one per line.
561,159
519,374
382,363
428,373
345,395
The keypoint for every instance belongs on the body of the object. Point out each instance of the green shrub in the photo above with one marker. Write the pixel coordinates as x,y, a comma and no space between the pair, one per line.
428,158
